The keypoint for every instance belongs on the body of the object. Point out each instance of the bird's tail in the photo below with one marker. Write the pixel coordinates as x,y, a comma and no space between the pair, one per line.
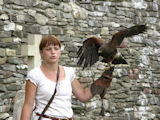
119,59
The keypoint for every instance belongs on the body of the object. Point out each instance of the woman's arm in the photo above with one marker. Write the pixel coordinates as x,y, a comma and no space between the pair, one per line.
97,87
82,94
30,92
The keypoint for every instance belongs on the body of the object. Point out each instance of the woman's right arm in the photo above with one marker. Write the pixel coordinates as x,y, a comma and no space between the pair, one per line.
30,92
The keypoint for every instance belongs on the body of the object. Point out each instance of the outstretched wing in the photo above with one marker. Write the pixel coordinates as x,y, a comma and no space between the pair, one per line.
88,53
119,36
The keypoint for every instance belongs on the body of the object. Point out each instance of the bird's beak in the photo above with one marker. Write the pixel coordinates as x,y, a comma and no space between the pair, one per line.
99,51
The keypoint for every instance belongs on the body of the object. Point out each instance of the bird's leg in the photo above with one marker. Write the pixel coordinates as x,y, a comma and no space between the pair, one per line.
102,109
102,97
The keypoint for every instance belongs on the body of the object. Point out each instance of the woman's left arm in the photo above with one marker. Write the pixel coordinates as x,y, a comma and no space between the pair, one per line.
82,94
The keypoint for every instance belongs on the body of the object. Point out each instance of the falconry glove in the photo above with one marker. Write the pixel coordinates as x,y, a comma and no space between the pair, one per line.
102,82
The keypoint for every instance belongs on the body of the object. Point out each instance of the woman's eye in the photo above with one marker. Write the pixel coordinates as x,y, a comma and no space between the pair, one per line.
48,49
56,48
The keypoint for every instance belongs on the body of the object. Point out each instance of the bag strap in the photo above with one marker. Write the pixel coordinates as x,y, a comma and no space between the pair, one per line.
51,99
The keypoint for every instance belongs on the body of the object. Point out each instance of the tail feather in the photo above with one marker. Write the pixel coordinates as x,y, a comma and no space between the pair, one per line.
119,59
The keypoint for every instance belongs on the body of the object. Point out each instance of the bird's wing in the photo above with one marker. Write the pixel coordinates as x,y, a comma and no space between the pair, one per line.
119,36
88,53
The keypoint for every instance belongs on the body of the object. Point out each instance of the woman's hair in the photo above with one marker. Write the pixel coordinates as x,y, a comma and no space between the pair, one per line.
49,40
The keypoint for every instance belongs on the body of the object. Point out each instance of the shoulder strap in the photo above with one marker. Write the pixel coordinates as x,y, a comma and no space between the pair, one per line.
51,99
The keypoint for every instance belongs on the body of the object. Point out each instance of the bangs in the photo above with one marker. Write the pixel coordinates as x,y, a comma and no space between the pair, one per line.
49,40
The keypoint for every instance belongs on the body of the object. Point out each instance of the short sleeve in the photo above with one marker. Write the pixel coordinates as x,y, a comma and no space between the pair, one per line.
32,77
72,74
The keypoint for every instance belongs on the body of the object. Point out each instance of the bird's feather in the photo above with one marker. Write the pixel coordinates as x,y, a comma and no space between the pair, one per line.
128,32
88,53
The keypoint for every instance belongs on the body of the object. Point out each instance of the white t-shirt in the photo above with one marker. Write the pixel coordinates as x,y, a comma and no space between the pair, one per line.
61,104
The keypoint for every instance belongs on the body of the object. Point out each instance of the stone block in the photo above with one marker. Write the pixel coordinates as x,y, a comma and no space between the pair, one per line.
58,31
22,67
19,27
2,88
45,30
4,34
41,19
10,52
10,80
13,87
2,52
26,2
11,26
31,12
72,54
67,16
137,39
1,2
3,109
120,72
5,74
17,75
3,60
93,105
154,101
65,7
17,40
145,59
104,31
32,29
56,2
19,34
15,60
8,95
86,79
7,40
8,1
9,67
20,18
4,16
4,116
78,12
71,48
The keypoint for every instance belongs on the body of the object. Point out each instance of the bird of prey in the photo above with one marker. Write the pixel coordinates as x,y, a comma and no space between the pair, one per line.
94,47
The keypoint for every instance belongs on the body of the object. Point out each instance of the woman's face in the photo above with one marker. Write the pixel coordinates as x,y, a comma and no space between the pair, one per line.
51,53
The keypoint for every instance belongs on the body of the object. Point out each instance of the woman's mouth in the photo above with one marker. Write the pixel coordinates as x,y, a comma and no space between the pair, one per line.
53,57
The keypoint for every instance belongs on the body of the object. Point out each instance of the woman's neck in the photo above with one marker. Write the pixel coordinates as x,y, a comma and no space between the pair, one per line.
50,67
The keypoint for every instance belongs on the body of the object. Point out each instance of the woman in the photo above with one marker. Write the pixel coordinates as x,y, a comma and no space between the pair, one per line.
41,82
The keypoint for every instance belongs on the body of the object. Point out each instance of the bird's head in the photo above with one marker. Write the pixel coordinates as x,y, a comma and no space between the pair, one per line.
102,49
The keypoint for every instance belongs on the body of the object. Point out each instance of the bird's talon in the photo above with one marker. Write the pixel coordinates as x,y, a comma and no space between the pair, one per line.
107,68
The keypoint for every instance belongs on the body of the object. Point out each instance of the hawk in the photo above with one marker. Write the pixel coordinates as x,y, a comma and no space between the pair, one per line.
94,47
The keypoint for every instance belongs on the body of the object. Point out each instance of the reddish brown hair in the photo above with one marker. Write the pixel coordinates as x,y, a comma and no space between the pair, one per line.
49,40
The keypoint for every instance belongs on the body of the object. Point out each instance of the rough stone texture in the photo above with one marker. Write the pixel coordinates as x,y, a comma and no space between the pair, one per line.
2,52
19,98
135,89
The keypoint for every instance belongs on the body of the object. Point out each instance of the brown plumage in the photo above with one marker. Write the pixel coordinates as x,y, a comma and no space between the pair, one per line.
101,84
93,47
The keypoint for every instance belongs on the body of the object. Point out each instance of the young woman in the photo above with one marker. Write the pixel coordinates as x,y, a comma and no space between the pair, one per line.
41,83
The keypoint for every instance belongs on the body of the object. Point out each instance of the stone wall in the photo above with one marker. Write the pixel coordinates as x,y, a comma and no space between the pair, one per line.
135,90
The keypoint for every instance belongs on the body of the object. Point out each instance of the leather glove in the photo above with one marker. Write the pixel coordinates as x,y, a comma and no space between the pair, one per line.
102,82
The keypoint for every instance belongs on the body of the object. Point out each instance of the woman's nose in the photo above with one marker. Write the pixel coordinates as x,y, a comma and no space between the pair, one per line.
52,50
